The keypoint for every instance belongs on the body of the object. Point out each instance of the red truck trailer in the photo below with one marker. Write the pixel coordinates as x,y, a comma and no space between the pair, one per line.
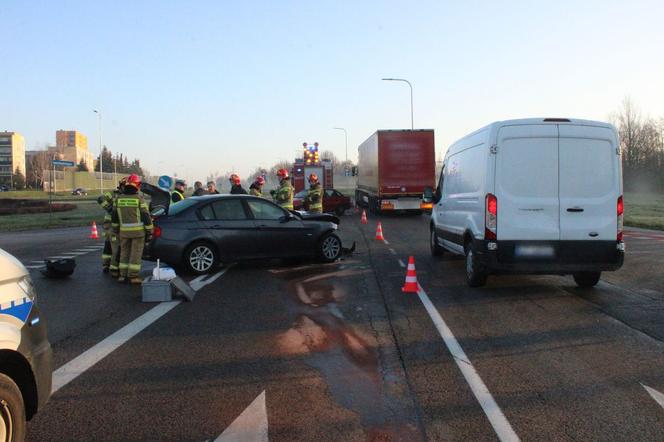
394,168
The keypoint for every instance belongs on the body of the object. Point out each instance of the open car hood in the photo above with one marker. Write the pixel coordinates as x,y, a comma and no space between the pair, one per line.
159,198
327,217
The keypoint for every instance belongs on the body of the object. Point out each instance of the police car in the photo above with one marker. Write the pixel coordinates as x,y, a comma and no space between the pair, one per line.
25,353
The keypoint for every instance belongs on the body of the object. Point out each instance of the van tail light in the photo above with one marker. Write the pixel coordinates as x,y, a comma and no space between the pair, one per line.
621,210
156,231
491,217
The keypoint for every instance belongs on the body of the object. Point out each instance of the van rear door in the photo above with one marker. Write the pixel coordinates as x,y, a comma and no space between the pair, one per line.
589,183
526,182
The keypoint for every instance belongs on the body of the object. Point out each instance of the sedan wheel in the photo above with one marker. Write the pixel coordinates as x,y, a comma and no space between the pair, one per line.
330,248
200,258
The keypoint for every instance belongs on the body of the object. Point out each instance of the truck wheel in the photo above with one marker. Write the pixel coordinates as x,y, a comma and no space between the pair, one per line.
476,275
12,411
200,258
329,247
436,249
586,279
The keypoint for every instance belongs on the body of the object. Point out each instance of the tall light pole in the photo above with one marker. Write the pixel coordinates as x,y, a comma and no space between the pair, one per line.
412,124
345,138
101,157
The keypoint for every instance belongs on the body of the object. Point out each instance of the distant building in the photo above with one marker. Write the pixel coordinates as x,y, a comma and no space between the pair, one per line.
73,146
12,155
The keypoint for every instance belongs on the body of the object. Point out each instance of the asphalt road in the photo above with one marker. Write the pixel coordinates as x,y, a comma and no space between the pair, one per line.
338,352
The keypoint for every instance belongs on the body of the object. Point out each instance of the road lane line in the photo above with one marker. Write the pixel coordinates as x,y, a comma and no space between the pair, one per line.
250,426
35,267
58,257
402,264
199,283
656,395
386,242
496,417
77,366
392,251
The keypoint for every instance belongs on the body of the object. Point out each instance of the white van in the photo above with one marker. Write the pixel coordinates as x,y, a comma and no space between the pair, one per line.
537,196
25,352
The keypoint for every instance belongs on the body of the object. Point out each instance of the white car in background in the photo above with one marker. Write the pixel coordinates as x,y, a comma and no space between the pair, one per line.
538,196
25,352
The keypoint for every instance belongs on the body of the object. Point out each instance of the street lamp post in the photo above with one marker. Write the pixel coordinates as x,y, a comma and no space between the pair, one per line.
345,138
412,124
101,157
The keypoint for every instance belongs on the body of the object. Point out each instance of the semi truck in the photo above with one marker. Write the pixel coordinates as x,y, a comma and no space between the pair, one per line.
395,167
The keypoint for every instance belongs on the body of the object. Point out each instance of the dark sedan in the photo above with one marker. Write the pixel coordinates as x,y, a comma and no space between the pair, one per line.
200,232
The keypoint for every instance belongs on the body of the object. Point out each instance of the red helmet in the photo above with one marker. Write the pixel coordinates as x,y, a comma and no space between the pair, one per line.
313,178
260,181
134,181
282,174
235,179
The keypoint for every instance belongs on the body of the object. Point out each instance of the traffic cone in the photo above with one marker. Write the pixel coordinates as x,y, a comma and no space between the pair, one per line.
364,217
411,285
93,233
379,233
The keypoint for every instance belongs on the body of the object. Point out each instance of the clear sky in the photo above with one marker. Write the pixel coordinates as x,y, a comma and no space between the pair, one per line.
203,86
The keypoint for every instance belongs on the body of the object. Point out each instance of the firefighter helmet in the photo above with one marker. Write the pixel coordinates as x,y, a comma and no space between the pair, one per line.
282,174
313,179
260,180
234,179
134,180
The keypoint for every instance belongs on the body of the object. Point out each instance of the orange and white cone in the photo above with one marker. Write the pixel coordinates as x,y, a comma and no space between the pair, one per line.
411,285
93,232
364,217
379,233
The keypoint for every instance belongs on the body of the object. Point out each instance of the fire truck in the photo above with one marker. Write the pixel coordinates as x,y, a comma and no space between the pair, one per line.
308,164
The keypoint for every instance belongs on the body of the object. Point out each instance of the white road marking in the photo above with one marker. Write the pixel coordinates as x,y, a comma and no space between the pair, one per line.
35,267
77,366
392,251
385,241
250,426
199,283
402,264
496,417
77,253
656,395
41,261
58,257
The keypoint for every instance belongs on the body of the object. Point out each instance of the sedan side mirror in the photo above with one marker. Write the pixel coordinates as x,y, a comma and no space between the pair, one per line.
287,218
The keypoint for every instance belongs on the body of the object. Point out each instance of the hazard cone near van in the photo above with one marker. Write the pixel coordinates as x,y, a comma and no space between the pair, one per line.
93,232
364,217
379,233
411,285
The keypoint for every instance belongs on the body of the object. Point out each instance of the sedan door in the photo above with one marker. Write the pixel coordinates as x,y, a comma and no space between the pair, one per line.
232,228
279,233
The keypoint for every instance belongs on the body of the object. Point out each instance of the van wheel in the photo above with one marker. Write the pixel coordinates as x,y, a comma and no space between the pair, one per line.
587,279
436,249
12,410
476,275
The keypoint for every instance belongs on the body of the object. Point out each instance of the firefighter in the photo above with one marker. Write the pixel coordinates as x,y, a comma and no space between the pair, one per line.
109,256
314,197
256,188
284,194
236,186
132,222
178,191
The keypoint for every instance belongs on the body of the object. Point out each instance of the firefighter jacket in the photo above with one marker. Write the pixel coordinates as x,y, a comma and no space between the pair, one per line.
238,190
176,196
106,201
255,190
284,195
314,198
131,218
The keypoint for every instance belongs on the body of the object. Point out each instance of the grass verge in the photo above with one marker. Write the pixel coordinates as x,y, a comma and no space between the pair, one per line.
645,210
83,215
